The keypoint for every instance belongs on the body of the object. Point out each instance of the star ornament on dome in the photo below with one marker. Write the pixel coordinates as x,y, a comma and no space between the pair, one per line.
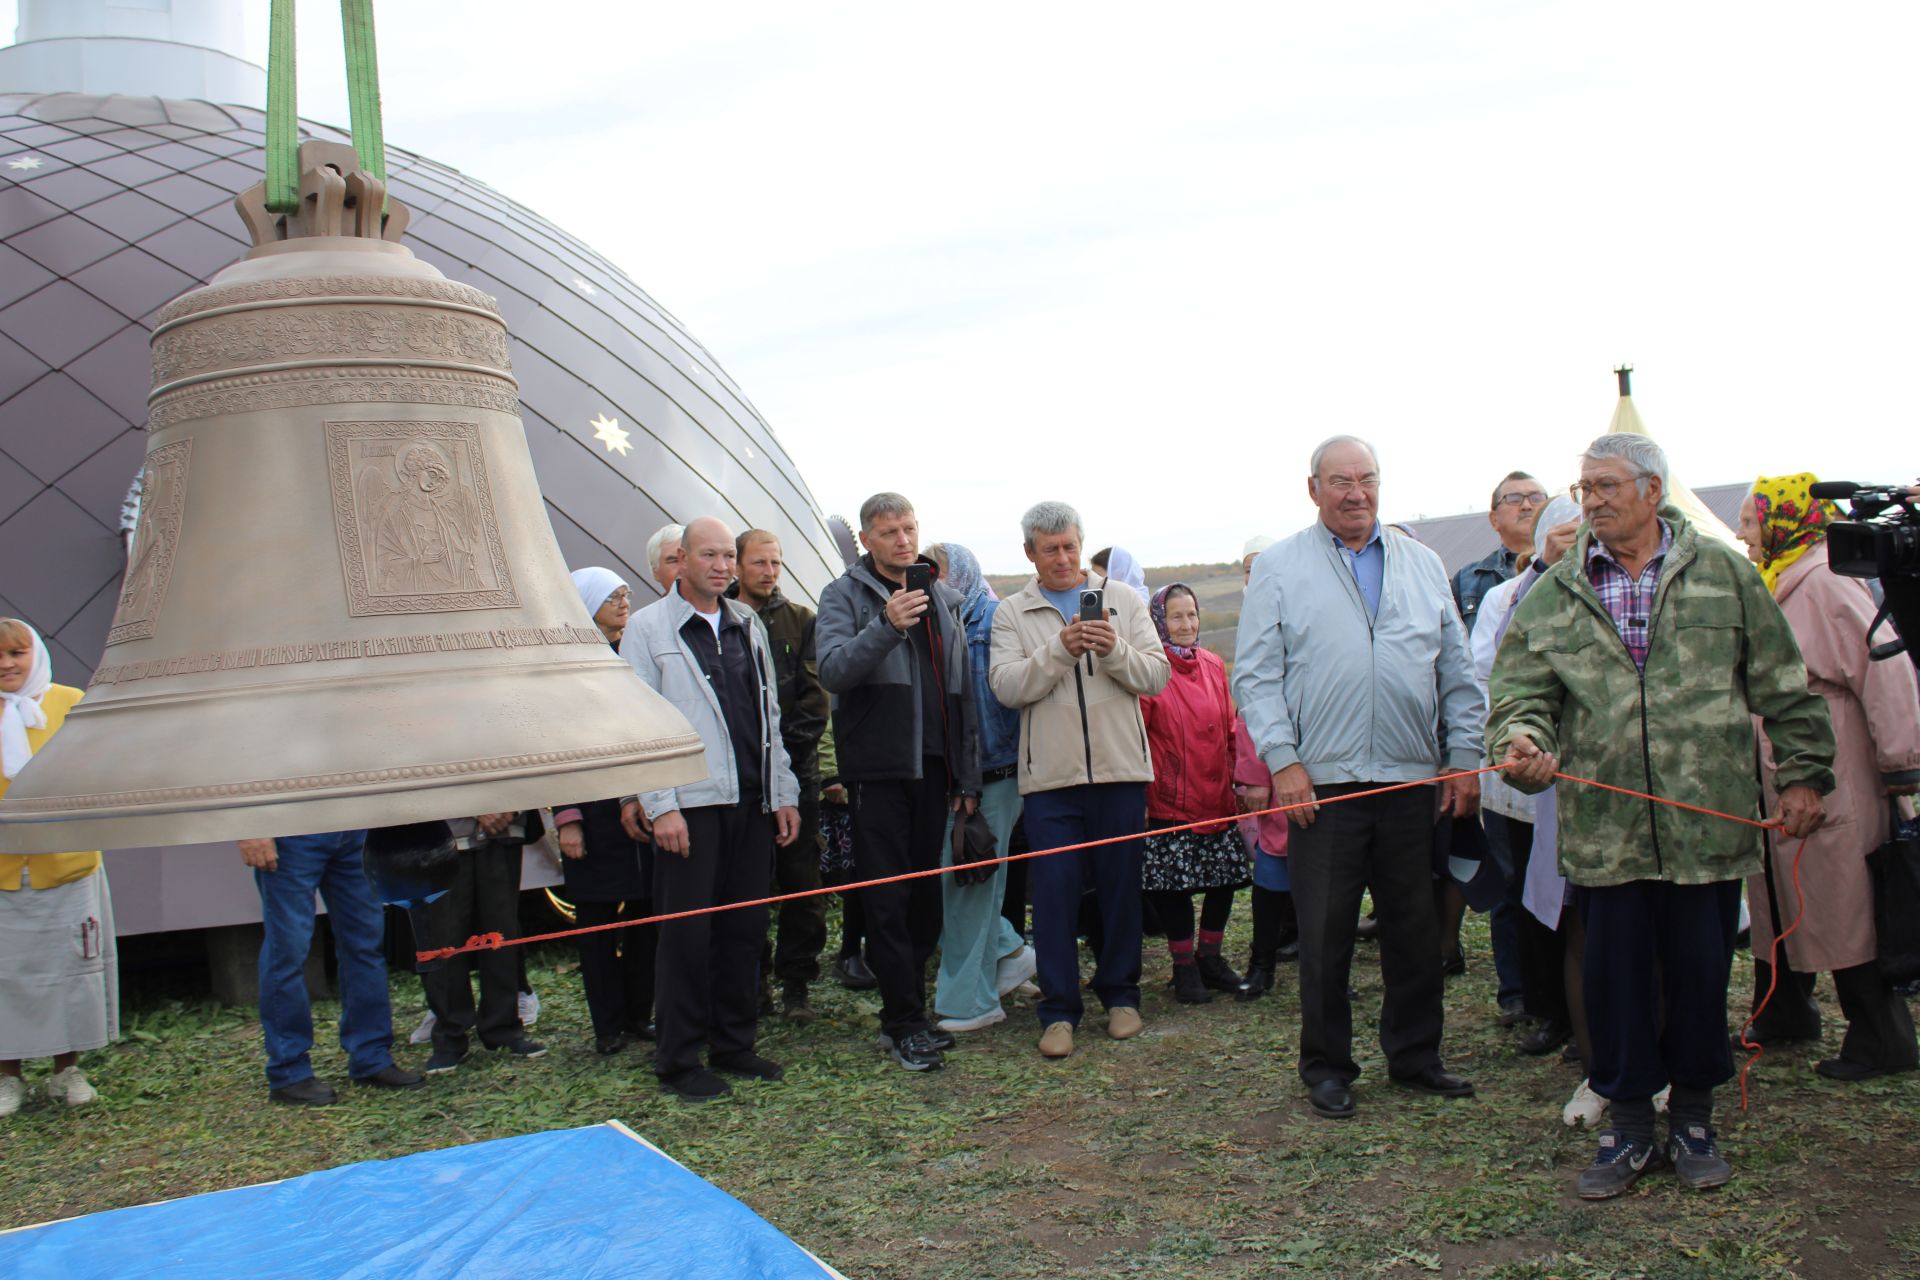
25,163
609,432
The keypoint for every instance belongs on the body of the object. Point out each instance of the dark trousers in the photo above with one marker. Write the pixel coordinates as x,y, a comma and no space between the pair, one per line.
707,989
1658,956
1274,925
1539,951
801,933
1879,1024
484,898
616,967
897,827
1383,843
1071,815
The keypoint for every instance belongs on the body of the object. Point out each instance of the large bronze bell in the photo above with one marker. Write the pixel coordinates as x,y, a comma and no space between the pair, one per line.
344,606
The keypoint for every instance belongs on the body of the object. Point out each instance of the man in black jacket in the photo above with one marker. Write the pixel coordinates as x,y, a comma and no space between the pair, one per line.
905,732
802,929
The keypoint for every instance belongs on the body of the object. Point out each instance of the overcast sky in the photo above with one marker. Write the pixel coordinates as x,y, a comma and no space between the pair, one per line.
1142,258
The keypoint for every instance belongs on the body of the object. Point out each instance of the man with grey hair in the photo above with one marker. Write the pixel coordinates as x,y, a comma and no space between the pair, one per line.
1642,660
894,655
1351,658
1075,653
664,553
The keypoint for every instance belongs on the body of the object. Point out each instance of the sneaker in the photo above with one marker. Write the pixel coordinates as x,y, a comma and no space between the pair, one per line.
794,1005
853,974
1057,1040
1123,1022
1217,973
1188,986
1617,1165
695,1084
444,1060
424,1032
1015,969
1696,1157
13,1093
523,1049
529,1005
1660,1100
1585,1108
941,1040
71,1087
914,1052
981,1023
749,1065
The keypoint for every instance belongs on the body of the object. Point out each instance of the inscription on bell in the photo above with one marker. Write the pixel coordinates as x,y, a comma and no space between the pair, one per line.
163,502
415,519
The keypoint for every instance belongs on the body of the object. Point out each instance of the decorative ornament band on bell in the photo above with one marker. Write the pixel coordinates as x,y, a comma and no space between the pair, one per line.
344,605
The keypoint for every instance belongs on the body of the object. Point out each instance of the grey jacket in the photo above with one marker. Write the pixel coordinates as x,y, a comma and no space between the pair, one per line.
652,646
1355,700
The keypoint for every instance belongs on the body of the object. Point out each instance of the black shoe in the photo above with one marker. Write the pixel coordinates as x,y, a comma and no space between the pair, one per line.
1696,1157
1438,1081
311,1092
607,1046
1513,1012
1217,973
695,1084
392,1077
749,1065
914,1052
942,1041
646,1031
444,1060
1188,986
853,974
1453,966
1545,1038
794,1005
1850,1071
1332,1099
1258,982
1617,1166
1289,951
523,1049
1571,1054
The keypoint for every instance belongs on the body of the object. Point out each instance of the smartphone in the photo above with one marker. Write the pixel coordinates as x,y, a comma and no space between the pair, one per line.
1093,605
920,578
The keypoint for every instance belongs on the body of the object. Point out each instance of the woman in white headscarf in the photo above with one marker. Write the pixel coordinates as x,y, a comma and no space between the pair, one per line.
1122,567
59,976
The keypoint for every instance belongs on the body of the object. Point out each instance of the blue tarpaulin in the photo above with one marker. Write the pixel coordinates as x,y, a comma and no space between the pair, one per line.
585,1204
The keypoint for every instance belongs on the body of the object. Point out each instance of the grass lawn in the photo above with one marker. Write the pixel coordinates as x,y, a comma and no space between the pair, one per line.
1189,1151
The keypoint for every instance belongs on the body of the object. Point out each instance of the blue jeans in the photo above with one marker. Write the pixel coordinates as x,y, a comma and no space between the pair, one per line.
329,863
974,936
1071,815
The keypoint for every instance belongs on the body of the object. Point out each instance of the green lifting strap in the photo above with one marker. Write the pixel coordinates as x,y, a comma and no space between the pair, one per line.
363,86
283,120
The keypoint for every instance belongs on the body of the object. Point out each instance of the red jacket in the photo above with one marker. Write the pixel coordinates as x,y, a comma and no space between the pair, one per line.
1190,730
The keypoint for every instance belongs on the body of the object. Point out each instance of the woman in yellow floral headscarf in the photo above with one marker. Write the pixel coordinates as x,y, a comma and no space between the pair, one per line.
1789,519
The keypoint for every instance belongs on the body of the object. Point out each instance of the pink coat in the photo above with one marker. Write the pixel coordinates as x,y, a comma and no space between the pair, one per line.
1875,707
1268,834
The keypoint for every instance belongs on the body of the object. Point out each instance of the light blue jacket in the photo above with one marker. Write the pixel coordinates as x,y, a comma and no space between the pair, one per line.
1355,700
652,646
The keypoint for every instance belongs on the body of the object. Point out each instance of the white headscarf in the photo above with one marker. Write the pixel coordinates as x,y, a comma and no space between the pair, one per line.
595,585
21,711
1122,567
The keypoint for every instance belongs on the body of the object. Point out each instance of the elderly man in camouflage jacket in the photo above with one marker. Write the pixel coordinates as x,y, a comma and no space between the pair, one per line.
1641,660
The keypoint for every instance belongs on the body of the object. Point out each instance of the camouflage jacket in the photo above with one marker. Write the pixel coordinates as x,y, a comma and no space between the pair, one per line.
1720,653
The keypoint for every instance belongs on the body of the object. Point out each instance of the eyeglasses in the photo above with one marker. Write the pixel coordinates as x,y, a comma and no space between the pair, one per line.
1347,484
1536,498
1583,490
623,594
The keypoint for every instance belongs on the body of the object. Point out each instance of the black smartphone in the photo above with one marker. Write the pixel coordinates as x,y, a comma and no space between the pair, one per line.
1093,605
920,578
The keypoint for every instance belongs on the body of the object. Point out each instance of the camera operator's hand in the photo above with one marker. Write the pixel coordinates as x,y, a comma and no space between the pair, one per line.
1800,810
1076,637
670,834
1103,637
904,609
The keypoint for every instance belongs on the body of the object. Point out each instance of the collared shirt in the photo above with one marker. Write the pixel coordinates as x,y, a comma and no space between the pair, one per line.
1368,566
725,654
1629,600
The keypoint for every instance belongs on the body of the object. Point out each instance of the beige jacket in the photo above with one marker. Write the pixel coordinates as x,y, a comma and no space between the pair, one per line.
1080,720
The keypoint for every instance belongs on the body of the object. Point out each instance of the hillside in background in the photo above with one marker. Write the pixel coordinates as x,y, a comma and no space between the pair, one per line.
1216,586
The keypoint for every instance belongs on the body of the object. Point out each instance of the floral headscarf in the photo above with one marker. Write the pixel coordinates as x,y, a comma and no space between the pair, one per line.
964,576
1791,520
1158,608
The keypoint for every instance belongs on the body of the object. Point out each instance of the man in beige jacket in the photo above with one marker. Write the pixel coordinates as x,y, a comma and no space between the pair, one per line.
1075,658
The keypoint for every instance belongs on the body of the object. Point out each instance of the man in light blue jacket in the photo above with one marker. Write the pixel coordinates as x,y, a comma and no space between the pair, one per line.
713,839
1351,668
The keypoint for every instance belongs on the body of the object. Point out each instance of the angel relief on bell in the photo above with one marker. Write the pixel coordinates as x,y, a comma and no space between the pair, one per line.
415,518
163,502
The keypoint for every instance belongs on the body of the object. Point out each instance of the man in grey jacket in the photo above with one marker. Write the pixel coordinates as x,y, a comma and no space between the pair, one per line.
713,839
1351,664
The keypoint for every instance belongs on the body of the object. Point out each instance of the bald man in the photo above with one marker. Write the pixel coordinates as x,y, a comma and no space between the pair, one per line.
713,839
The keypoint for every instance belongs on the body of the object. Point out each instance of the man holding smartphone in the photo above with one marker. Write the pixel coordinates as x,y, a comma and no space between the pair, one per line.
891,650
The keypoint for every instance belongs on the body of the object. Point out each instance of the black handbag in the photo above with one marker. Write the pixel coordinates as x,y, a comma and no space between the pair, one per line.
1895,867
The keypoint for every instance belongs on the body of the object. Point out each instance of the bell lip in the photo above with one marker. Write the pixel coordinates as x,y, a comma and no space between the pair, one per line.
344,812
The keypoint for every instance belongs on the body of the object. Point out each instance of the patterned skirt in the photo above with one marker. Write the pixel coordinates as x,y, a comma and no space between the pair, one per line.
1188,861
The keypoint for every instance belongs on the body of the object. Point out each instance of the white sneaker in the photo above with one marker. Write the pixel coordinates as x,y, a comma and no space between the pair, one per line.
1585,1108
529,1008
985,1020
423,1032
13,1092
1015,969
71,1087
1660,1100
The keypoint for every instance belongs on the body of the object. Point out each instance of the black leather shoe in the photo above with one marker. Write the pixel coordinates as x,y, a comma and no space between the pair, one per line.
1850,1071
1545,1038
1217,973
391,1077
1332,1099
1453,966
748,1065
695,1084
1288,952
311,1092
1437,1080
607,1046
1258,982
1188,986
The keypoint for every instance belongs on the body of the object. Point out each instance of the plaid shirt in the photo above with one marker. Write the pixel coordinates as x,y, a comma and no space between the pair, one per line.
1629,600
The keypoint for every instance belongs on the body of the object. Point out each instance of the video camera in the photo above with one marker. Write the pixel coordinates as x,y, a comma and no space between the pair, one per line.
1882,541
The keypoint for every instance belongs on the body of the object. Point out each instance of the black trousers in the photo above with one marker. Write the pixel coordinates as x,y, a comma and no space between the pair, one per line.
897,827
1383,843
1657,960
707,985
801,931
1542,955
616,967
1879,1024
484,898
